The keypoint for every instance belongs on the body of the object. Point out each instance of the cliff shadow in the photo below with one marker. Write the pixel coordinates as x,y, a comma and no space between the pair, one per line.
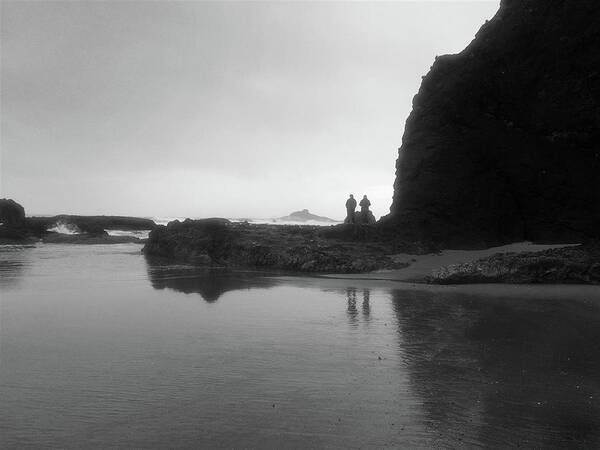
503,372
209,283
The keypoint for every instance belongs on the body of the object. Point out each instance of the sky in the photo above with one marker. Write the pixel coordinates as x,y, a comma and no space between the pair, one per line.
203,109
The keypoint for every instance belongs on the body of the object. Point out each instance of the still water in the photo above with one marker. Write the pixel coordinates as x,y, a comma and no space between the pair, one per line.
102,348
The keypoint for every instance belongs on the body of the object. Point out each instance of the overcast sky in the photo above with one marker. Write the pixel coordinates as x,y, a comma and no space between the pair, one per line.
213,109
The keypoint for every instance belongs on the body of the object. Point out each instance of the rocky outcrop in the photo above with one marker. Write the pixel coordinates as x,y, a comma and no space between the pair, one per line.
88,229
220,243
16,228
11,213
503,143
93,224
579,264
88,238
305,216
13,224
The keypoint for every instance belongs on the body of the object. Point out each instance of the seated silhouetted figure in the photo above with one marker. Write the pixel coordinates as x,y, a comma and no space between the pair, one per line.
364,204
365,216
350,208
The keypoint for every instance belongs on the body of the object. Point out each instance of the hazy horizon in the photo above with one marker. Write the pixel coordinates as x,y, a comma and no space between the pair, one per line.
175,109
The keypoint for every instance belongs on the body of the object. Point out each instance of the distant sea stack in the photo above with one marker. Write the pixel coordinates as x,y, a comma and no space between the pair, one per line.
503,143
305,216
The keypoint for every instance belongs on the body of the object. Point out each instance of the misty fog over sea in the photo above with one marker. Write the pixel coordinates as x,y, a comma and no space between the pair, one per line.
102,347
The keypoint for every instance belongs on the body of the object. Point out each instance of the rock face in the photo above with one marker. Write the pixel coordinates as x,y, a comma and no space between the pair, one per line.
580,264
503,143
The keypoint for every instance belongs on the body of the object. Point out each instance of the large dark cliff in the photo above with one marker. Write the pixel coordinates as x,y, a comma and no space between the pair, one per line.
503,143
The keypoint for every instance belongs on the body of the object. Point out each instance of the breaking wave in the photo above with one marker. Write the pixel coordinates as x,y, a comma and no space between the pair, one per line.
64,228
140,234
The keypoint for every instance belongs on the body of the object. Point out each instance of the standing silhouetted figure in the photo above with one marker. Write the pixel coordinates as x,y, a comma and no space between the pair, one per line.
364,205
350,208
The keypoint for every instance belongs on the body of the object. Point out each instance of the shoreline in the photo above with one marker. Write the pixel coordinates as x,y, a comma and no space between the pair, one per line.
417,272
422,266
583,292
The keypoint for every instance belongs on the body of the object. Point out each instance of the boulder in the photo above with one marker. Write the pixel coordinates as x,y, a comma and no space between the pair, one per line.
11,213
364,218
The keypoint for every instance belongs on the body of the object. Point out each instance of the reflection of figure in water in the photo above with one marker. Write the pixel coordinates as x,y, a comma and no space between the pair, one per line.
350,208
364,205
351,297
352,310
366,307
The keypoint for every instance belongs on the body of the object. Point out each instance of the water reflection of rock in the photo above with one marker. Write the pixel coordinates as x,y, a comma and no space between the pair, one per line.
209,283
14,262
503,373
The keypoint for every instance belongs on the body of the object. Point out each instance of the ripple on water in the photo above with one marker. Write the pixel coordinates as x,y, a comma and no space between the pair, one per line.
102,347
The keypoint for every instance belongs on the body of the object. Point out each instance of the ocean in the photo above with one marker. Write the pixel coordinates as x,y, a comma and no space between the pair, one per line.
65,228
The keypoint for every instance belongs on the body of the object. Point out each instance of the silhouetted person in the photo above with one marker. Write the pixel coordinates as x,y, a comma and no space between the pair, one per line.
350,208
364,205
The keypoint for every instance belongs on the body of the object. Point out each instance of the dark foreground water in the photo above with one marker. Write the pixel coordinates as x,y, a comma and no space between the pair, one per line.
103,349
